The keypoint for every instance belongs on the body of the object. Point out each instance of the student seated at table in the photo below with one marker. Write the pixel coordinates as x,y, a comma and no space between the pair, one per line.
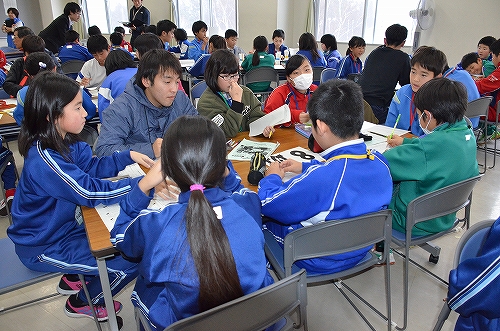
116,40
165,31
309,48
329,48
230,105
36,63
259,58
93,72
73,50
474,65
214,43
296,91
120,68
445,155
210,243
277,45
351,63
490,85
426,64
352,181
59,175
231,37
17,77
125,44
139,117
183,43
199,45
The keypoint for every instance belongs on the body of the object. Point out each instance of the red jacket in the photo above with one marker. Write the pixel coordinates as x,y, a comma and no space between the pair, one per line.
490,86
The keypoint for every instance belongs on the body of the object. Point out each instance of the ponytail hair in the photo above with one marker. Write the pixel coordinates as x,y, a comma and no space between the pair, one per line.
194,153
308,42
259,44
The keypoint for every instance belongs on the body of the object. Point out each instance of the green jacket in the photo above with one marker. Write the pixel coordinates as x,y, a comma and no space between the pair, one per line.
419,166
266,60
235,118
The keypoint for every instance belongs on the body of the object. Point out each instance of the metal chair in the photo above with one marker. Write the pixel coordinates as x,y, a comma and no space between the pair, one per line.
479,108
444,201
335,237
317,75
196,92
71,68
496,128
469,246
260,75
327,74
253,312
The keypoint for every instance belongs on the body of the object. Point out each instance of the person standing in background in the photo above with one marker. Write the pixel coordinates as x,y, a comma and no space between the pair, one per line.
141,13
54,34
10,24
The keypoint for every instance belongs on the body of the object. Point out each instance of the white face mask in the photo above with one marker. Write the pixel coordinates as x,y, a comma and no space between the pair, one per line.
426,131
303,82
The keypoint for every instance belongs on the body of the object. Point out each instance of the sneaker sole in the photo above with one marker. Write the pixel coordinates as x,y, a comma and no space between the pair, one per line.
66,292
76,315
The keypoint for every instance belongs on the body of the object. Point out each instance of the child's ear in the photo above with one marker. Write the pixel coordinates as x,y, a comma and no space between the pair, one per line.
321,127
146,82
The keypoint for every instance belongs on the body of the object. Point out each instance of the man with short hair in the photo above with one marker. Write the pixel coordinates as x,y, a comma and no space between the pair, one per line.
165,30
54,33
139,117
384,68
93,72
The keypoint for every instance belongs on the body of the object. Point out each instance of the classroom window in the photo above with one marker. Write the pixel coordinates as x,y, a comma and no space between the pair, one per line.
366,18
219,15
105,14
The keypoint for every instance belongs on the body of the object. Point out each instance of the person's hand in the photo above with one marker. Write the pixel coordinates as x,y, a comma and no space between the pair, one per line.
157,147
85,81
152,178
395,140
133,27
304,117
141,159
204,42
275,168
235,91
168,190
291,166
268,130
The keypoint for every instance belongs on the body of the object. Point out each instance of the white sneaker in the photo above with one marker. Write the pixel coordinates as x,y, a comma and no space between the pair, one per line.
391,258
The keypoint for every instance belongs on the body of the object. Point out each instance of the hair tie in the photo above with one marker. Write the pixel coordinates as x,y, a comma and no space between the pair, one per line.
42,65
196,187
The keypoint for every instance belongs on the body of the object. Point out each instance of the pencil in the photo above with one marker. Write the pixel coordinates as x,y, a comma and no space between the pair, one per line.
394,128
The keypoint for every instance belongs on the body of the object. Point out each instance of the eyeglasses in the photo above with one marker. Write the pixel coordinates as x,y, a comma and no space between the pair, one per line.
228,78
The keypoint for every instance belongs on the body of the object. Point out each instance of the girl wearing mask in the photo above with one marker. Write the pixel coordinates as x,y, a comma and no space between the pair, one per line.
296,91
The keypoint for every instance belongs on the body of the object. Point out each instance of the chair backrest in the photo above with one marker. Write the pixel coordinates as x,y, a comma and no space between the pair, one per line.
255,311
354,77
261,74
444,201
327,74
13,274
89,135
197,90
478,107
336,236
72,66
472,241
317,74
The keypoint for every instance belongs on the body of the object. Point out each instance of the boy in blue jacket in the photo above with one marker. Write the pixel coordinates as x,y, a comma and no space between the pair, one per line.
352,181
426,63
199,45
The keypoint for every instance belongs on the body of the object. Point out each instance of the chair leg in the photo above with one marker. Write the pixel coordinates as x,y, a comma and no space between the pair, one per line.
443,316
89,300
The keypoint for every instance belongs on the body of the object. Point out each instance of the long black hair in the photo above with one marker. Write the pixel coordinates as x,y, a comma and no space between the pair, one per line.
259,44
194,152
307,42
46,98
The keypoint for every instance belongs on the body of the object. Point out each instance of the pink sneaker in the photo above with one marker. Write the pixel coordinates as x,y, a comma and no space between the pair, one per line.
85,311
68,286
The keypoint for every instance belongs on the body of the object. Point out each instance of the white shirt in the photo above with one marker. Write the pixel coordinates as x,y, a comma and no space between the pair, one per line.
91,69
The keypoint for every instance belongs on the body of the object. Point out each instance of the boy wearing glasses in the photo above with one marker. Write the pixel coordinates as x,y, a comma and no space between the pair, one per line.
139,117
231,106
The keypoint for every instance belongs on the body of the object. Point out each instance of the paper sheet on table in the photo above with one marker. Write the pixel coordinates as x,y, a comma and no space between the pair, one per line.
132,170
383,130
299,154
278,116
246,148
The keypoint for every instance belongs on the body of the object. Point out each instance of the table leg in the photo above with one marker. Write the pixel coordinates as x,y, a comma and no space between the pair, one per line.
106,290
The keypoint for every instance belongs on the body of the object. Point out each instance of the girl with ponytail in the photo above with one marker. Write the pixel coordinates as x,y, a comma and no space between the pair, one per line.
259,58
207,248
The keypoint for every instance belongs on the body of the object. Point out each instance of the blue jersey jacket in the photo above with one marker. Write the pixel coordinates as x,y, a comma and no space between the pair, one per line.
112,87
336,189
167,288
195,51
74,51
46,210
332,59
402,103
319,62
349,66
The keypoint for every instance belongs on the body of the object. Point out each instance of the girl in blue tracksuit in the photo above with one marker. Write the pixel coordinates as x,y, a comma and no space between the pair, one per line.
207,248
59,175
351,64
329,47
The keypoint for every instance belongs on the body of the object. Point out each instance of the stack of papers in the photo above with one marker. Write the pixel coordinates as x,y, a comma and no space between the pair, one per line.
379,135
